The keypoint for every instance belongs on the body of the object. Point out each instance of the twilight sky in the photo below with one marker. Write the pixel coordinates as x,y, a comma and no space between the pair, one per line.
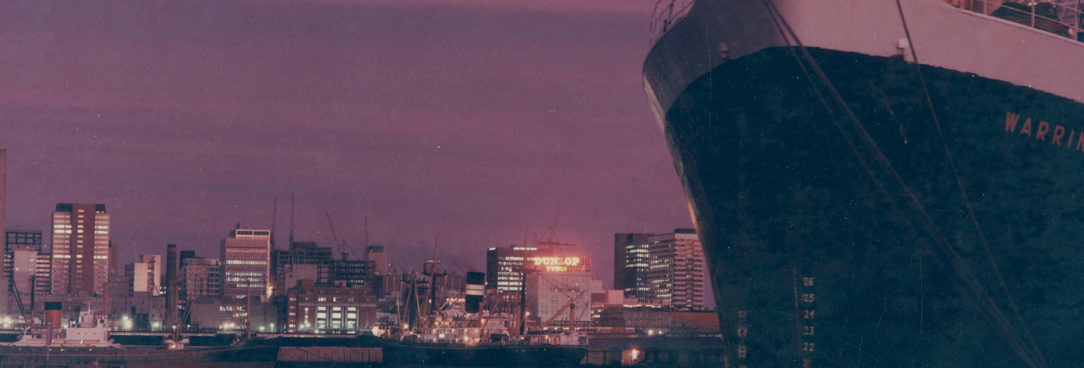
466,120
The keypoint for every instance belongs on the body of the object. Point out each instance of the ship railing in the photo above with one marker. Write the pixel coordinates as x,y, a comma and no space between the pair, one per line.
666,14
1062,17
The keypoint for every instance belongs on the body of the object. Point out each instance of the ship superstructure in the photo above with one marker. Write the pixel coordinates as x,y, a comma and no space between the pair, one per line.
881,182
91,331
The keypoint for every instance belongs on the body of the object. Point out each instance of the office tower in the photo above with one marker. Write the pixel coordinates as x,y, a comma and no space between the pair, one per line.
80,248
200,277
246,265
631,261
299,253
342,273
504,266
676,272
378,260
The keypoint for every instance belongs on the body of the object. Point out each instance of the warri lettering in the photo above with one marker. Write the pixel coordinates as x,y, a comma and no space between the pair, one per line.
1042,131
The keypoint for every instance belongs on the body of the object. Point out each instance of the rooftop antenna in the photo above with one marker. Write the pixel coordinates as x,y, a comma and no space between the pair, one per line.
291,219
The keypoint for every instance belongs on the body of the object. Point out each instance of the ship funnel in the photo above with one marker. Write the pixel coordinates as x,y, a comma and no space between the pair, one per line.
52,314
476,283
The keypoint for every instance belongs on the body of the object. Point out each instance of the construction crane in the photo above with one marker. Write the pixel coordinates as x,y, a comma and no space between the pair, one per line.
339,243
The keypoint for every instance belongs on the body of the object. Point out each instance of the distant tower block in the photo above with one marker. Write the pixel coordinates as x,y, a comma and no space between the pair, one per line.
80,248
246,263
377,259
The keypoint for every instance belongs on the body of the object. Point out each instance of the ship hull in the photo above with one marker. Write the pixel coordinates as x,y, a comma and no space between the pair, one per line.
838,241
249,356
525,356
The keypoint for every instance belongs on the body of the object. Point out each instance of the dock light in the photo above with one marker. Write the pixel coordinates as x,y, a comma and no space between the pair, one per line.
156,325
261,328
635,354
127,323
7,321
650,332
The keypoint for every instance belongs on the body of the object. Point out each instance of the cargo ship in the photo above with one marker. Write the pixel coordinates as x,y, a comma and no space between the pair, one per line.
889,182
87,342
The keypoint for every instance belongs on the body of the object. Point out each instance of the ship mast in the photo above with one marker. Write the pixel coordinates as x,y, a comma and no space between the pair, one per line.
248,311
433,280
171,291
521,317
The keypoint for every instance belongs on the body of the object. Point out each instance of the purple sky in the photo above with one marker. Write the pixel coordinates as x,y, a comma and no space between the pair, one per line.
466,120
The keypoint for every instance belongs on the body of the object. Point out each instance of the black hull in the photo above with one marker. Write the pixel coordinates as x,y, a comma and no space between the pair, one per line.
136,357
900,275
515,356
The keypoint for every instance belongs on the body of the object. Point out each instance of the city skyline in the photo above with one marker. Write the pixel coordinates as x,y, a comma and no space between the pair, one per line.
422,118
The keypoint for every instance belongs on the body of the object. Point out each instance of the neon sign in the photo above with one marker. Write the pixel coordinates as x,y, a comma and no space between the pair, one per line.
556,264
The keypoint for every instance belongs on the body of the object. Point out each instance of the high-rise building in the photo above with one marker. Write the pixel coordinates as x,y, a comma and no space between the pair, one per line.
631,262
676,273
378,260
246,266
43,279
300,253
200,277
155,269
504,266
343,273
80,248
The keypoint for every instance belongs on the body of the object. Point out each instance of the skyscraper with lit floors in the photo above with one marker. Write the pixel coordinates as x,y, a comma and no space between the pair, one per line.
80,245
246,266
